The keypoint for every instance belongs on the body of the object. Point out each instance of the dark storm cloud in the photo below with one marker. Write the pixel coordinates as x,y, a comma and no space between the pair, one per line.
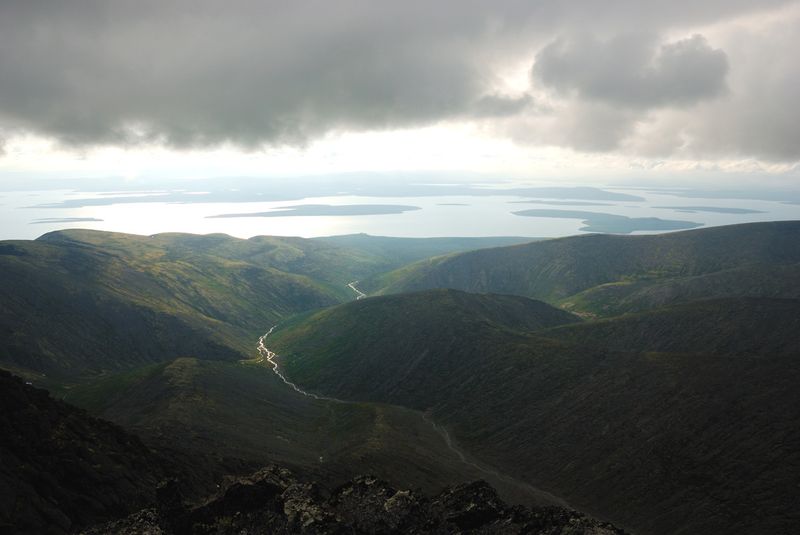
189,73
632,70
197,73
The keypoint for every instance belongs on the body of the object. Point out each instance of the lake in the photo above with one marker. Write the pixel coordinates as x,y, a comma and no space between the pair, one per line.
417,210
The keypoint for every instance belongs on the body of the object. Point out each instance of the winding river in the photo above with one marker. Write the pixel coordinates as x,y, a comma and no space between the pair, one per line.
359,293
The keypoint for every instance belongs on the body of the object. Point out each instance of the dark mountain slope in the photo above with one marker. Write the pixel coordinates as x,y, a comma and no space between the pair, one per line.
555,270
745,326
61,469
244,411
760,280
390,348
662,442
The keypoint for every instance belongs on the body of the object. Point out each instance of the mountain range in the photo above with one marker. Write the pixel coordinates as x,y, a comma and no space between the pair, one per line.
649,381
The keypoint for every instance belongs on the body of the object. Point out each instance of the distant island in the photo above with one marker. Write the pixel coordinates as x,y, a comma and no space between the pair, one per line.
611,223
562,203
325,210
711,209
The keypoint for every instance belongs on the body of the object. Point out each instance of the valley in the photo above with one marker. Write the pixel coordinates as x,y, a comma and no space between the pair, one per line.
510,488
649,381
554,405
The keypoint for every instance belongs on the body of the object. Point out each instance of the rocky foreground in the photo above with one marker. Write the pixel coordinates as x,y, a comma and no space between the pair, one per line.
274,501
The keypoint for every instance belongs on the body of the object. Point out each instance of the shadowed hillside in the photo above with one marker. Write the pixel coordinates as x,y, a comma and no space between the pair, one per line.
374,349
603,274
82,303
676,418
61,469
744,326
683,419
244,411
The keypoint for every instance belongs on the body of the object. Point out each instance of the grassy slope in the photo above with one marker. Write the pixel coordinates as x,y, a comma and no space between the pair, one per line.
733,326
369,349
397,252
67,310
72,308
633,427
80,303
212,274
598,273
333,261
760,280
242,410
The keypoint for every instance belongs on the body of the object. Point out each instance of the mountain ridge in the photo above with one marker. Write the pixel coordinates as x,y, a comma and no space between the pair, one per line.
559,269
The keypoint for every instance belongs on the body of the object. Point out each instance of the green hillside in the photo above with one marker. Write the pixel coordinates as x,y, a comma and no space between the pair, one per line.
603,274
329,266
391,253
662,422
71,309
99,318
333,261
82,303
371,349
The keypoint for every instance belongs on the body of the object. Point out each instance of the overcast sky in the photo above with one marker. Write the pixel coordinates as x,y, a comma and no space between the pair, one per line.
559,88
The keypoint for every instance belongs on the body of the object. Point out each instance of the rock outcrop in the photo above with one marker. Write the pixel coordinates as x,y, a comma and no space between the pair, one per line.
61,469
274,501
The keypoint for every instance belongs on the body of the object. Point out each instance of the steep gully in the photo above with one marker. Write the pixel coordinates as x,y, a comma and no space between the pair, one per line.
266,355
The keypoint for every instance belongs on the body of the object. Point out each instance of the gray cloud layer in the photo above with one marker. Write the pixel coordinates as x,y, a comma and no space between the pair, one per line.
201,72
629,71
